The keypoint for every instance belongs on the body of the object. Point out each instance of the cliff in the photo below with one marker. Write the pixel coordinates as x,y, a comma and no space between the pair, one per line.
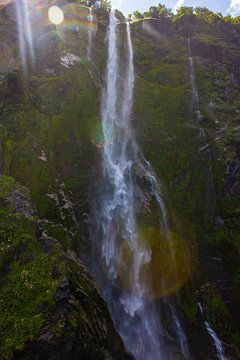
50,143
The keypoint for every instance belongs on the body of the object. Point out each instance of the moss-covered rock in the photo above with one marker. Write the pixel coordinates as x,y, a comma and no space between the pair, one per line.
50,141
197,163
50,305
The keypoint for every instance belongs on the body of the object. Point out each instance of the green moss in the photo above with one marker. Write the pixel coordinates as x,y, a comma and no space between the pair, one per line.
27,283
26,288
57,329
218,312
190,312
48,118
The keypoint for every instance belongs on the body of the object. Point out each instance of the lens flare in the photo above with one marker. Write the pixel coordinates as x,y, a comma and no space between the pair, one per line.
76,18
168,267
55,15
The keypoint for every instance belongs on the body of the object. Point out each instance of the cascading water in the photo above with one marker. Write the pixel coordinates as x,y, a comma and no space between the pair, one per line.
217,342
27,22
204,145
90,35
172,314
210,181
124,255
21,34
210,187
24,32
195,96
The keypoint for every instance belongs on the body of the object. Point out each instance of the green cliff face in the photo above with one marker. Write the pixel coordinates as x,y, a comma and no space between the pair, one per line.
50,306
197,160
51,141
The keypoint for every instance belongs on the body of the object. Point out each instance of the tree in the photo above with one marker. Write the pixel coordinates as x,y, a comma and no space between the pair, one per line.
137,15
185,11
159,12
147,15
164,11
106,4
154,13
89,3
207,15
236,20
185,20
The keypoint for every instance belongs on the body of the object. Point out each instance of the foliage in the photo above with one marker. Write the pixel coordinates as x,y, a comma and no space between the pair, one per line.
201,186
137,15
158,12
185,15
105,4
89,3
27,285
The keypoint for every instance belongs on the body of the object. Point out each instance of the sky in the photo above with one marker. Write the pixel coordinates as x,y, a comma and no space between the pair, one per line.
224,6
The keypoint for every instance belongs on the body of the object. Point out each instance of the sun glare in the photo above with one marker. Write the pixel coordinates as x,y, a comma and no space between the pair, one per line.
55,15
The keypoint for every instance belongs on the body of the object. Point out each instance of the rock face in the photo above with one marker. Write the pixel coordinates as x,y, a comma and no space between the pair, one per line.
50,142
197,161
50,305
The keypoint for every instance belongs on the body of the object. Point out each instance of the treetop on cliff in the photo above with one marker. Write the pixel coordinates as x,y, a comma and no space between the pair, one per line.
185,13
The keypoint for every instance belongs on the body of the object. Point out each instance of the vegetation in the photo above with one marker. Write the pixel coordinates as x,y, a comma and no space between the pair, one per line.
104,4
185,14
195,179
50,142
27,284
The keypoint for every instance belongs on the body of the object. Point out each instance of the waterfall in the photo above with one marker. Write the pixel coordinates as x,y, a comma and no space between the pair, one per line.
210,187
24,33
217,342
90,35
195,96
119,254
28,29
21,40
173,316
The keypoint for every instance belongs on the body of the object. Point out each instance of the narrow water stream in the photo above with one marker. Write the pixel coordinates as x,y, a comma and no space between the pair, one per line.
25,37
217,342
195,96
120,254
90,35
209,182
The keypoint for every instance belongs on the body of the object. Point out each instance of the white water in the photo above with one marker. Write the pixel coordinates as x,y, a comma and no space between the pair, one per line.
21,40
24,32
173,317
29,38
195,96
210,187
90,35
217,342
135,315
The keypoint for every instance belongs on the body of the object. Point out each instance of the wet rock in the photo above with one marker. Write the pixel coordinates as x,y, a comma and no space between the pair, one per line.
20,203
69,318
232,179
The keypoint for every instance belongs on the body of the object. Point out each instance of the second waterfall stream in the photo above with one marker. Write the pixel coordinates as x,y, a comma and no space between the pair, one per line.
120,253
